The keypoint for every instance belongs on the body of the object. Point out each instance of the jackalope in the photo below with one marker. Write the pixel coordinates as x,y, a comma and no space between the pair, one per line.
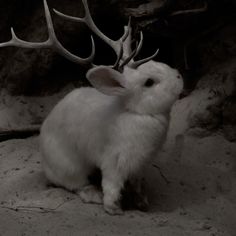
117,126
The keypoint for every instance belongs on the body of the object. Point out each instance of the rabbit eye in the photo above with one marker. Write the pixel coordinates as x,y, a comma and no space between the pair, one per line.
149,83
178,76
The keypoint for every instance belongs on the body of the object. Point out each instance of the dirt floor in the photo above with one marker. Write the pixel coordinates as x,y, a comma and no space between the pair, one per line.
191,186
198,200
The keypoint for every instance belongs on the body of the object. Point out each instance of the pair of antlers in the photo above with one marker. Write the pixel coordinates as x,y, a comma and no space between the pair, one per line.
122,46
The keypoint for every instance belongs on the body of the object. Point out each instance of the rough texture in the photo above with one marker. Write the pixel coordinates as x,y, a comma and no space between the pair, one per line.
196,197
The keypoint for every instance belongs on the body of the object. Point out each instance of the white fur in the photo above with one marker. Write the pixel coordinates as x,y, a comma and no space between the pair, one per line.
116,130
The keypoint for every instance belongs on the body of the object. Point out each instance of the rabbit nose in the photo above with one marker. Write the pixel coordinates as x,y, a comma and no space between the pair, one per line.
184,93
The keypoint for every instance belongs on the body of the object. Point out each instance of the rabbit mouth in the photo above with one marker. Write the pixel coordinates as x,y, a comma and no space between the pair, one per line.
184,93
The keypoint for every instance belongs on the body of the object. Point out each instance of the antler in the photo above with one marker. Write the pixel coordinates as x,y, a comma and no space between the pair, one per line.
129,61
87,19
51,42
122,46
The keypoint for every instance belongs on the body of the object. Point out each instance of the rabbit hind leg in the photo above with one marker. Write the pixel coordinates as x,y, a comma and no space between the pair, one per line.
63,167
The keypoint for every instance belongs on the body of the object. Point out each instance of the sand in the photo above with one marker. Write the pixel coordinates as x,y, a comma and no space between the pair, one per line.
191,185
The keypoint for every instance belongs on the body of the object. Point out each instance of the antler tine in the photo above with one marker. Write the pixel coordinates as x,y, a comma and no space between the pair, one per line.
129,60
117,63
135,64
130,57
51,42
126,39
127,31
16,42
140,44
87,19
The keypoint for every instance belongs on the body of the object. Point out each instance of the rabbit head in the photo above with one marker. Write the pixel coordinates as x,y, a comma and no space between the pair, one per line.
151,89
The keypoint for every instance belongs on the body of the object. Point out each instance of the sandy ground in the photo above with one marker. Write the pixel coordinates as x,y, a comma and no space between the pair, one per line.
199,200
196,197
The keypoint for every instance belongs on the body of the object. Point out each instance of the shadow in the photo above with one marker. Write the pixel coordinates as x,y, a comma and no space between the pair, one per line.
184,185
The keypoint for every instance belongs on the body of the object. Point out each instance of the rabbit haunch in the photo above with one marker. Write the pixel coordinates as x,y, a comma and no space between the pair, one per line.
116,126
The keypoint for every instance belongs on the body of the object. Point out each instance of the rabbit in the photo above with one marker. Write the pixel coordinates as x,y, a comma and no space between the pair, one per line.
118,126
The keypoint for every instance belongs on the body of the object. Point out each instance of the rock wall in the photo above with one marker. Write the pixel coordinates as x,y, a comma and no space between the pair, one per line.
191,35
197,37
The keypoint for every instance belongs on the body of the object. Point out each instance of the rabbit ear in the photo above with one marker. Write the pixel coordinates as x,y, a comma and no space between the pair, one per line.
106,80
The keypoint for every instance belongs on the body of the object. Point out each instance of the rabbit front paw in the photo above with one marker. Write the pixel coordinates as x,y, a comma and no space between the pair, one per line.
113,209
91,194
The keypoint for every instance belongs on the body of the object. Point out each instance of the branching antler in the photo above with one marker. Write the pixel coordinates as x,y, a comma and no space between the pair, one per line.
87,19
52,42
122,46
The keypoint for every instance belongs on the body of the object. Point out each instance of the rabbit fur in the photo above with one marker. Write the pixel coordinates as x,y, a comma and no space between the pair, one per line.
116,126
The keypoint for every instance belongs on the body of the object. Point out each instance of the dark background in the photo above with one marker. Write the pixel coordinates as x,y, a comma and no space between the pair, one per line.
194,42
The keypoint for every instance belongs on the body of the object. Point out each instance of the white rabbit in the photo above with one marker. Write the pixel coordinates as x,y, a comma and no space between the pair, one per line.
115,126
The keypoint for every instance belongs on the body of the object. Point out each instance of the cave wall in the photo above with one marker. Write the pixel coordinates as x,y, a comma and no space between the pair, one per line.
195,42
